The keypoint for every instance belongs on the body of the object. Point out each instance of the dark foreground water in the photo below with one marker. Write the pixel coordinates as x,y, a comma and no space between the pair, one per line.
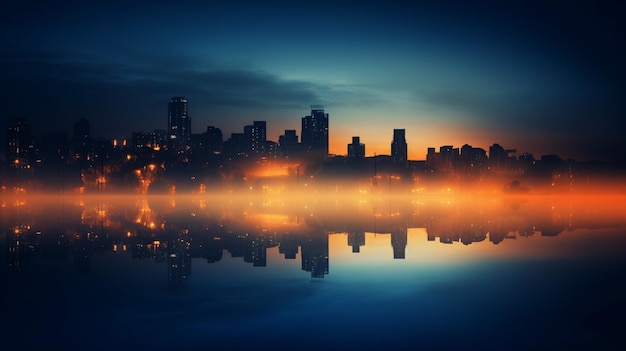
197,273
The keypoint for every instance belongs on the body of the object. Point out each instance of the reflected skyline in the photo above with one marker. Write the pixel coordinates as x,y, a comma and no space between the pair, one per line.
405,270
174,230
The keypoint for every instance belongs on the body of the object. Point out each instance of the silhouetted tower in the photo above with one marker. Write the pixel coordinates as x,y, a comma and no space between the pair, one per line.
399,242
315,132
178,124
356,240
356,149
288,143
19,144
398,146
497,157
235,145
315,254
255,137
214,140
179,265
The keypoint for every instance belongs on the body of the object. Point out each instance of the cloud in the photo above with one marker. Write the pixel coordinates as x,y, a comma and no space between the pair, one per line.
55,91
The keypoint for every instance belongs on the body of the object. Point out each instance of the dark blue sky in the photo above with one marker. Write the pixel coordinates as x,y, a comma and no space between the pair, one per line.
544,77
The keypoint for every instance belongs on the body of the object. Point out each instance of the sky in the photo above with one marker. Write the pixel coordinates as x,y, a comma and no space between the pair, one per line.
540,77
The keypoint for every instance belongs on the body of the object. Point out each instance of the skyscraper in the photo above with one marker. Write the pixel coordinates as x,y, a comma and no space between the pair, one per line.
178,124
356,149
214,140
398,146
288,143
315,132
256,136
19,144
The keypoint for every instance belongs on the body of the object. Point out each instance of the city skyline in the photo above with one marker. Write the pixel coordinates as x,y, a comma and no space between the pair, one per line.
250,139
542,77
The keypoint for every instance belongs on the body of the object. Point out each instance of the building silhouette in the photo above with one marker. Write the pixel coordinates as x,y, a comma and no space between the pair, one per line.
178,124
255,137
398,146
141,140
315,132
288,143
19,150
315,254
356,239
356,149
235,145
399,241
214,140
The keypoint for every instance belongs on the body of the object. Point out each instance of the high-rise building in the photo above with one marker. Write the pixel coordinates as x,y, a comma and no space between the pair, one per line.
398,146
214,140
288,143
19,144
315,132
141,140
178,124
448,155
399,241
497,157
356,149
256,136
235,145
356,240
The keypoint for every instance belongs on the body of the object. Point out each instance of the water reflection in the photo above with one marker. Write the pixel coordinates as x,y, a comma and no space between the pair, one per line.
175,230
324,272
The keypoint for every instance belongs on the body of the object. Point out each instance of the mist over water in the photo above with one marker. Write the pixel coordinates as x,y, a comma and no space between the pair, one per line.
229,269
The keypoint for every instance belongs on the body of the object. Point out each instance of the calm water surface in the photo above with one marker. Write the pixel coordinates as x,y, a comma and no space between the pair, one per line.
369,273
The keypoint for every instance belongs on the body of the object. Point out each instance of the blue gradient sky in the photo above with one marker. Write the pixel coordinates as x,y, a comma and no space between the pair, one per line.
545,77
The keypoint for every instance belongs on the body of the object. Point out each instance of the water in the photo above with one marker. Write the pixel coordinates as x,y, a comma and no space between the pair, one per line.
369,273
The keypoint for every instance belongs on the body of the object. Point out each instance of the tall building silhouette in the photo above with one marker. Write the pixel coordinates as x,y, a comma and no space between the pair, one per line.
399,241
235,145
178,124
497,157
288,143
255,137
356,240
19,144
356,149
214,140
398,146
315,253
315,132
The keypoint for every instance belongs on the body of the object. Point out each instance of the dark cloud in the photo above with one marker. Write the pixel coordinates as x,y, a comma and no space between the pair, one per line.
53,91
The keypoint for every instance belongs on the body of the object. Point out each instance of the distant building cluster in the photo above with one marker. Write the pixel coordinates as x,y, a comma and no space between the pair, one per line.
99,163
24,150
